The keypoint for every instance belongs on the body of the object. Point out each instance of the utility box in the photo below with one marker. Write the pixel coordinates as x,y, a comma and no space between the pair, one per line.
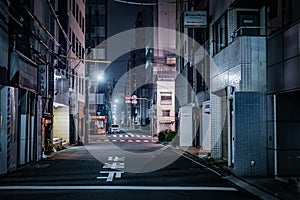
189,122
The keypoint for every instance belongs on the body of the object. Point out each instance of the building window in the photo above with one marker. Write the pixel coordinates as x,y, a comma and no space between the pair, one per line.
82,24
166,98
220,34
281,14
248,23
166,113
74,7
73,41
77,13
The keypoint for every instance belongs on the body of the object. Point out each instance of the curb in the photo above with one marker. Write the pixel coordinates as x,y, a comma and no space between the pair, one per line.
239,182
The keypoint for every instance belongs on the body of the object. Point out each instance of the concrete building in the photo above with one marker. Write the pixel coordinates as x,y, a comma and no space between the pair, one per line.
138,115
97,85
30,44
163,67
192,85
238,85
8,104
283,86
223,64
68,108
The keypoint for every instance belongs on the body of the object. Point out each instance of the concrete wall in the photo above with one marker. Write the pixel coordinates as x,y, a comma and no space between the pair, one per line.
242,64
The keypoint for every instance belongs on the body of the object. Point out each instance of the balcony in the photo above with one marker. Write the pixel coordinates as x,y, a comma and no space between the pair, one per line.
242,64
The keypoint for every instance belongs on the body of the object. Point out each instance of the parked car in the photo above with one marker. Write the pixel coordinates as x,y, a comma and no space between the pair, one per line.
115,128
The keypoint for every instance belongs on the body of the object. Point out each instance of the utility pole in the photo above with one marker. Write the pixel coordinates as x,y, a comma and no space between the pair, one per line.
87,113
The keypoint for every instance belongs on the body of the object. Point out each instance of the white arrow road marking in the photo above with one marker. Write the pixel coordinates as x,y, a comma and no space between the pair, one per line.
116,158
106,187
110,176
114,165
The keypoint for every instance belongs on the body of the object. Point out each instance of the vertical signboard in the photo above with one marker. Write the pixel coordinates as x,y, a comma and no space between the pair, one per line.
43,80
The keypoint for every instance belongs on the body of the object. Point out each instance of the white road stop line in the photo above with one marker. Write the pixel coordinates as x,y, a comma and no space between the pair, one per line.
106,187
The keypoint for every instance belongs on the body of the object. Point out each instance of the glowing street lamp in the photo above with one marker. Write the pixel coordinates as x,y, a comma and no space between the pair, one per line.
100,77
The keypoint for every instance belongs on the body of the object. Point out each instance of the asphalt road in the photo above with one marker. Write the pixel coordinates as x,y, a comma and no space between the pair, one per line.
122,166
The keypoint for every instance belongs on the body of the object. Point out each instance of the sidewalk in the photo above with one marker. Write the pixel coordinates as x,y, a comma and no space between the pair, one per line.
263,187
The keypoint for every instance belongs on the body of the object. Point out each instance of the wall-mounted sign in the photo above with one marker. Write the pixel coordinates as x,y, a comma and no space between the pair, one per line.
195,19
43,80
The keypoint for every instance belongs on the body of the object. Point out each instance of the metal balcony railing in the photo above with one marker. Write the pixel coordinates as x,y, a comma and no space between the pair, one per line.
248,31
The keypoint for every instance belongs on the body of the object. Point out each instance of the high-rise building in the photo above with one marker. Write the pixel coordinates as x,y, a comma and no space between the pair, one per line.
96,84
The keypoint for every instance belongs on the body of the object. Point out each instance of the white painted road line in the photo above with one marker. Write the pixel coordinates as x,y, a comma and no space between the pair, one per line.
106,187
